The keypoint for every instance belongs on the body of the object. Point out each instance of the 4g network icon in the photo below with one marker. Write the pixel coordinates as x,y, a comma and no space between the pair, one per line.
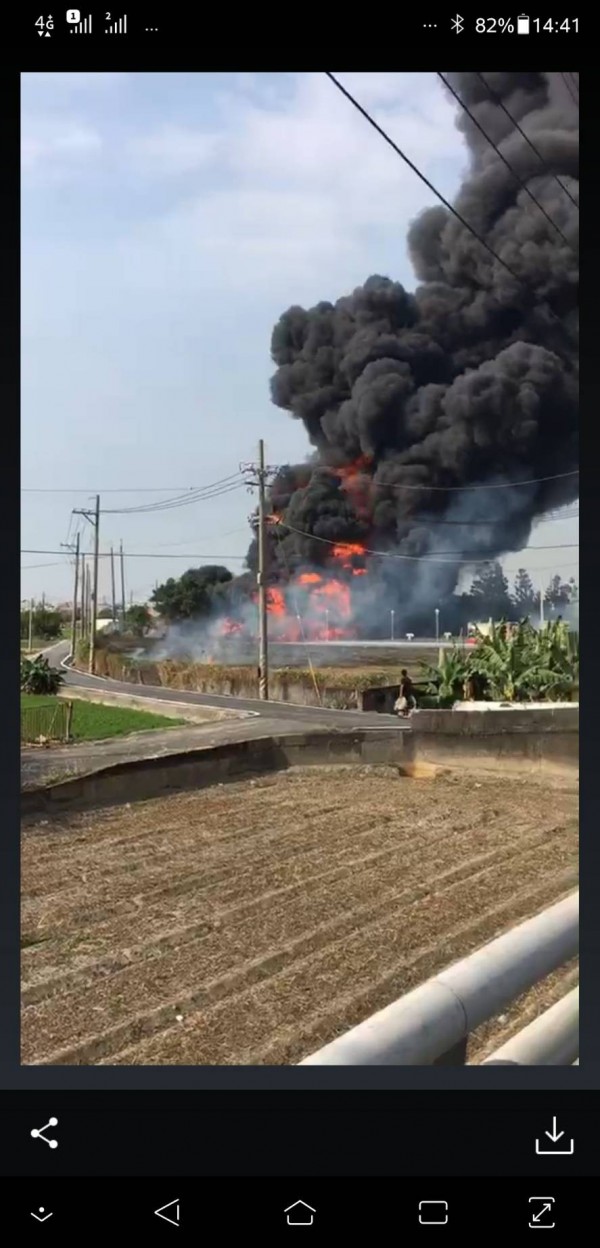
44,26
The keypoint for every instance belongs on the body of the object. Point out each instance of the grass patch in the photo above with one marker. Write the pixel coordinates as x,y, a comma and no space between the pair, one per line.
93,722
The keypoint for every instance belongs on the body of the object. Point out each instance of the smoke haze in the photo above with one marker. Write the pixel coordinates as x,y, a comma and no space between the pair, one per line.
471,380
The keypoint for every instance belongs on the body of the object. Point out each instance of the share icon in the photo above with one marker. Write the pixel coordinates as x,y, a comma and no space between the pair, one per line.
38,1133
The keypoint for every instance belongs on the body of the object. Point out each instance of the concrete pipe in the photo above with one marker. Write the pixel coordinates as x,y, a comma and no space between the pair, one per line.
421,1027
550,1040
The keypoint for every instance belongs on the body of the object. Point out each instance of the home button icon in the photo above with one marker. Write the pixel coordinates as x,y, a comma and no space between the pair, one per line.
300,1214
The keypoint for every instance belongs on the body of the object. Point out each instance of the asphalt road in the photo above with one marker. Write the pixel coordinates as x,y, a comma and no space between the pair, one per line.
268,711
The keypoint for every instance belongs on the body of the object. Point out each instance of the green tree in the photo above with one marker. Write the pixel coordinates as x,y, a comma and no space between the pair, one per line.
197,593
138,620
47,624
489,593
524,596
560,594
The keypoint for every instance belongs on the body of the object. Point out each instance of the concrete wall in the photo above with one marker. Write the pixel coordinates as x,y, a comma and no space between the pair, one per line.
525,741
152,777
510,742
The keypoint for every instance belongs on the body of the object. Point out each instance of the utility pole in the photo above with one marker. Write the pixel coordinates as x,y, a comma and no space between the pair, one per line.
122,588
541,608
95,584
30,643
263,644
112,581
94,519
74,614
75,550
260,474
88,613
82,620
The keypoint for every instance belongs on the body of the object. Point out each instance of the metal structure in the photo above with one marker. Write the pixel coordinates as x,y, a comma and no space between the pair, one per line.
550,1040
431,1025
46,721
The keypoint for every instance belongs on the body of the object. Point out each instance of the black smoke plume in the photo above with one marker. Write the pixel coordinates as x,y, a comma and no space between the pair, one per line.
471,380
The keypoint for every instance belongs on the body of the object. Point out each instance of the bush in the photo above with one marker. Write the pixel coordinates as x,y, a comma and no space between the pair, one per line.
38,677
515,663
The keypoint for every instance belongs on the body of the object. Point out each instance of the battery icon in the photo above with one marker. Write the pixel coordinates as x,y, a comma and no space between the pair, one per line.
522,25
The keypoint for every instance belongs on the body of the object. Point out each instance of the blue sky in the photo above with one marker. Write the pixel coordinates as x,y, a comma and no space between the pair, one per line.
167,221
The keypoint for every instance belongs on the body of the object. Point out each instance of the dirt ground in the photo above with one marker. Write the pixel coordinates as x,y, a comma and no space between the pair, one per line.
252,923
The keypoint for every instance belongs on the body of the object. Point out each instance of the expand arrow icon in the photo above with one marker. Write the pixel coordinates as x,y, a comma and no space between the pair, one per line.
544,1209
173,1205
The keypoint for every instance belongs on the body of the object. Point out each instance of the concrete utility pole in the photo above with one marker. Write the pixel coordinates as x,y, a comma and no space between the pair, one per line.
112,581
94,519
74,550
30,643
122,587
260,474
541,608
95,589
88,613
82,616
74,612
263,650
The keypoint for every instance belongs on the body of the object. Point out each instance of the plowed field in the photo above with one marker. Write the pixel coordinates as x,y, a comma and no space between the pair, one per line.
253,922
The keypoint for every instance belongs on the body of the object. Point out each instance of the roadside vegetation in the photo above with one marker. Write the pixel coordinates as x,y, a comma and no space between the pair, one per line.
37,677
514,663
93,722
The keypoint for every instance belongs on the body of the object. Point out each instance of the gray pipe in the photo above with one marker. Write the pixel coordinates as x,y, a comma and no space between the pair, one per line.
430,1020
550,1040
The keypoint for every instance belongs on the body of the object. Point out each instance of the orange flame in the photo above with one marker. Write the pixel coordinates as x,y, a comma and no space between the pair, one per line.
275,601
229,628
355,479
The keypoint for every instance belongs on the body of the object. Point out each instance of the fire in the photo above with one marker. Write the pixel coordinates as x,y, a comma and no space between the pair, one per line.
355,479
276,604
230,628
347,553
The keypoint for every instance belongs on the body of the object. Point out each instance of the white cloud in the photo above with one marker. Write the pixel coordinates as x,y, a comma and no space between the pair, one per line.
299,184
57,144
173,150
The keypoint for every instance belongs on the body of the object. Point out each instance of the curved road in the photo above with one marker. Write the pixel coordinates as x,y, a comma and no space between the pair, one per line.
274,712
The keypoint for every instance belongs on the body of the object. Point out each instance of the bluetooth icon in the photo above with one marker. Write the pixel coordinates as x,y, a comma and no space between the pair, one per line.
458,23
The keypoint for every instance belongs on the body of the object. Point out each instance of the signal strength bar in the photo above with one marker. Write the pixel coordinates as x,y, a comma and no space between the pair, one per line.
118,28
82,28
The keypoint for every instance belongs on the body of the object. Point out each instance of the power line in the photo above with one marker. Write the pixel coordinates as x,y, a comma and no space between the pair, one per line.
570,89
227,486
512,171
501,485
519,280
194,491
142,555
464,556
500,104
28,567
407,161
125,489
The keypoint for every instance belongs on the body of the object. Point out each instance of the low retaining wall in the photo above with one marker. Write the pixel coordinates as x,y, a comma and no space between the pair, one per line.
154,706
512,742
195,769
531,741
